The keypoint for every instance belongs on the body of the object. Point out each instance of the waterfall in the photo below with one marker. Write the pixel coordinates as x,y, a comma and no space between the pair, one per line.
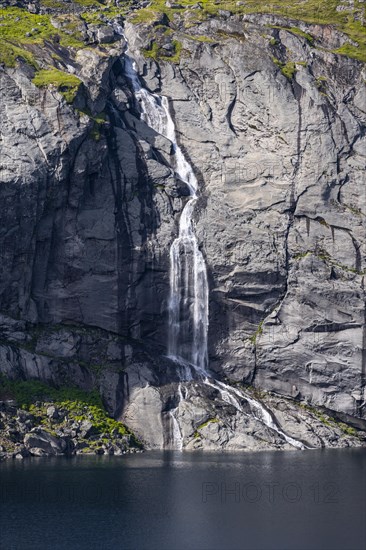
177,438
233,395
188,300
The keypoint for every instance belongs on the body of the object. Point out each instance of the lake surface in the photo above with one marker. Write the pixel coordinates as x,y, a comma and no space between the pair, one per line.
181,501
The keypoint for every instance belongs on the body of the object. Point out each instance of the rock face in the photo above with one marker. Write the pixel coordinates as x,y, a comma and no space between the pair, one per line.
275,129
282,217
80,232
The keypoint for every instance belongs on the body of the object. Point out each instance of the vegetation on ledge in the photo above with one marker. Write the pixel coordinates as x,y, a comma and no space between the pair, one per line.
329,260
350,19
68,414
287,69
158,53
26,392
203,425
330,421
257,333
67,84
20,30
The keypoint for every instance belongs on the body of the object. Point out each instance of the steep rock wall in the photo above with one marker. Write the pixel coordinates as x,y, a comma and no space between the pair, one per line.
90,208
281,159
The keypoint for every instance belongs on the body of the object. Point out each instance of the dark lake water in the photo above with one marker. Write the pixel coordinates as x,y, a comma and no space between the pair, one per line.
173,501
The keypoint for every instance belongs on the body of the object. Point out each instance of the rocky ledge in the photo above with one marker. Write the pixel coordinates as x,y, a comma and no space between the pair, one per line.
69,428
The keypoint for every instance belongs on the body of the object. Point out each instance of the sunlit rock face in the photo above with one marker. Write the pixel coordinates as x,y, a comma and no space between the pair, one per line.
282,214
274,128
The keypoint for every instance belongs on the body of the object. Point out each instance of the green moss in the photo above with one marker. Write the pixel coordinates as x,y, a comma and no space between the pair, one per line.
323,12
350,50
326,420
146,15
348,429
308,37
357,33
101,422
209,421
52,4
26,392
153,52
17,23
287,69
21,30
257,333
95,133
65,83
197,434
354,209
90,3
321,83
295,30
327,258
329,421
93,16
79,405
177,53
10,54
302,255
156,53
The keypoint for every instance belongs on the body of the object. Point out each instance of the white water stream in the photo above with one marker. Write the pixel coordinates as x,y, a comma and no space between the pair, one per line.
188,301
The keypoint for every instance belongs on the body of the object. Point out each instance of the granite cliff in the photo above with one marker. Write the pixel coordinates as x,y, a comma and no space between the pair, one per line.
271,114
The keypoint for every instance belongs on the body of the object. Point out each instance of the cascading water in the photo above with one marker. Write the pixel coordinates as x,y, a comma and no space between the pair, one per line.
232,396
188,301
177,438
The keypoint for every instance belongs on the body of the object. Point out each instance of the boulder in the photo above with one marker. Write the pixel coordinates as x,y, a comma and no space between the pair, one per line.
87,428
52,412
40,442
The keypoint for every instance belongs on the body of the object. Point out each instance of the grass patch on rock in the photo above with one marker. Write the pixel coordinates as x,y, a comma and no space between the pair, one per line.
25,392
197,434
75,408
324,256
156,52
287,69
257,333
297,32
320,12
19,30
67,84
